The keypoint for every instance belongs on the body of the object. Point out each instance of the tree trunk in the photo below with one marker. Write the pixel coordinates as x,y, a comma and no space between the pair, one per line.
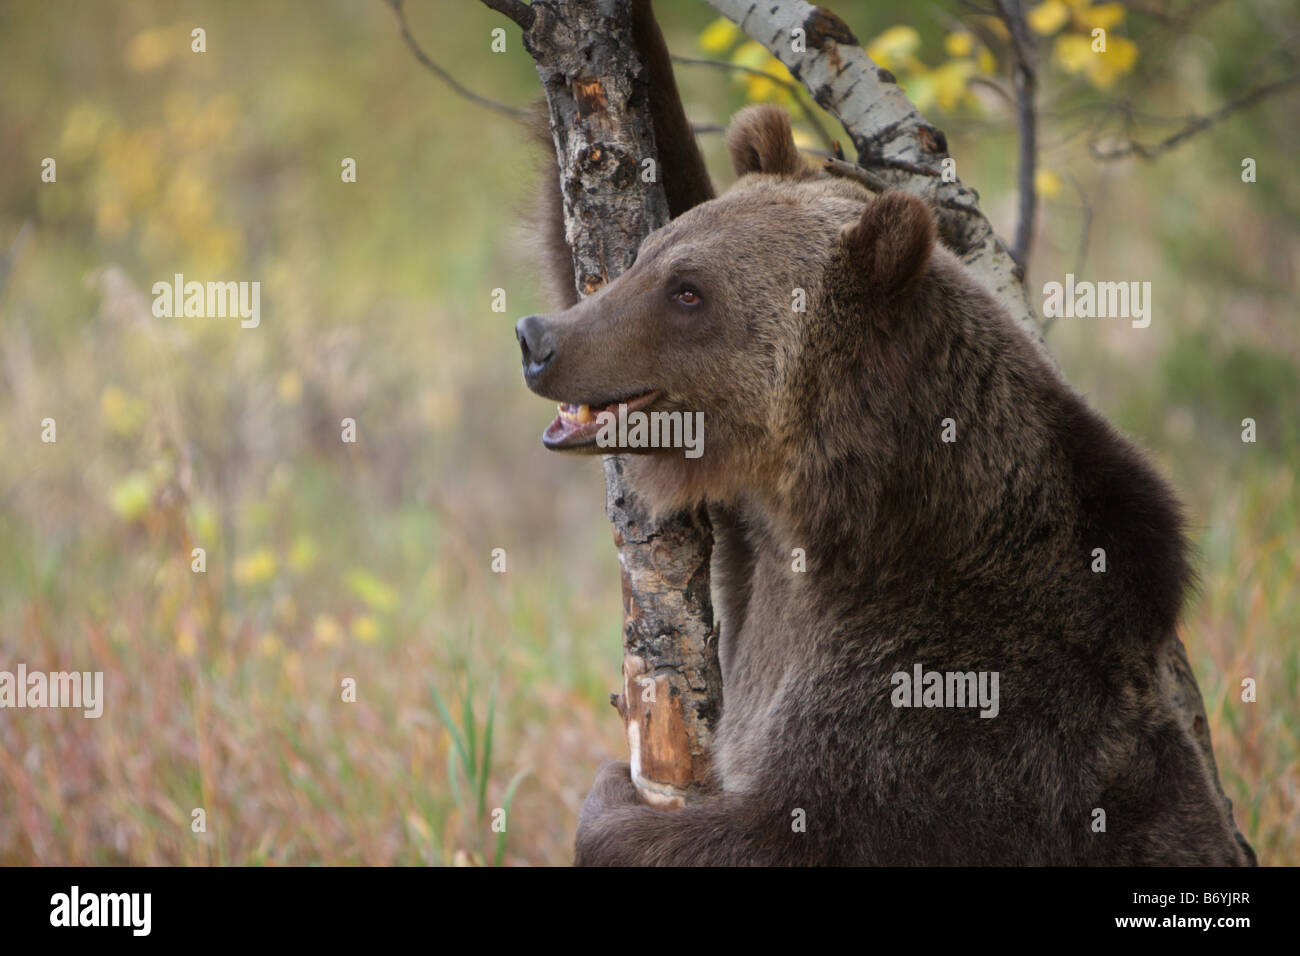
597,96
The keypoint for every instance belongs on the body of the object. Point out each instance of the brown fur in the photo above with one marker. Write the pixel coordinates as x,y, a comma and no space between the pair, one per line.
823,433
759,140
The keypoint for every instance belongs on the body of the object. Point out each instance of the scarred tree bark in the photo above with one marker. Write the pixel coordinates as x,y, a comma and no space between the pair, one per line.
597,96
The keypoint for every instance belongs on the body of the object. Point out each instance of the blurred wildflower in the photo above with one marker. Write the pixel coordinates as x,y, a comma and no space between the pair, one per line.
289,388
131,497
152,48
365,629
124,414
303,553
378,595
257,567
327,631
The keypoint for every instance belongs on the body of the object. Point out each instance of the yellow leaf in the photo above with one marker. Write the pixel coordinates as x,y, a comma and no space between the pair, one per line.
950,83
1047,184
1072,52
719,35
995,26
959,44
986,61
186,643
759,89
920,90
1046,18
752,54
1105,68
893,46
1104,15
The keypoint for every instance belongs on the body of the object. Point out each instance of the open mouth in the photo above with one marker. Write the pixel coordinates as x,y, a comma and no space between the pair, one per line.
576,426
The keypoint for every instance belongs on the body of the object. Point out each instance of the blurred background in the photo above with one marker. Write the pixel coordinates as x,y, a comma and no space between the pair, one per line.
374,560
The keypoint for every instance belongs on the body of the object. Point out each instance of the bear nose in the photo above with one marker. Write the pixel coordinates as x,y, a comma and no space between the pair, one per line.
535,344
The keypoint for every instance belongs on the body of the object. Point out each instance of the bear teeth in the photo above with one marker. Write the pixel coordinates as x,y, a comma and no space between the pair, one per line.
582,414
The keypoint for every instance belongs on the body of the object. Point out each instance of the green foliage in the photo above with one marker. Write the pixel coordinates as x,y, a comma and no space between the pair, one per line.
470,760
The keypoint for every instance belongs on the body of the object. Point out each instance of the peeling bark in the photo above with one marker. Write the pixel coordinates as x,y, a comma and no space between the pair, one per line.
893,140
597,95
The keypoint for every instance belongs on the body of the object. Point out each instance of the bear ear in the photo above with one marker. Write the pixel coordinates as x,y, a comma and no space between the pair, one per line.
760,141
891,242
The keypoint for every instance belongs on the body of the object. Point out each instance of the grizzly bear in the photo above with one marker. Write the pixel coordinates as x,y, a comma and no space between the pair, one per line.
922,662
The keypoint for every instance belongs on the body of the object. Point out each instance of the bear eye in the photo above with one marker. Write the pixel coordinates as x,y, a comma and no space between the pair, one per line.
687,297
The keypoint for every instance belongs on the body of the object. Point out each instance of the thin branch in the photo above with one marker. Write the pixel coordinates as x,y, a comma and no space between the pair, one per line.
516,10
1196,125
795,89
995,86
1026,83
503,6
838,167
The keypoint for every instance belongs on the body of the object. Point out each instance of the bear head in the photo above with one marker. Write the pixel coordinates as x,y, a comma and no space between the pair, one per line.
771,310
